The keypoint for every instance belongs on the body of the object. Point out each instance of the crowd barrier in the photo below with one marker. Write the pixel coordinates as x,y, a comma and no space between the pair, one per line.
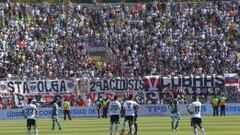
145,110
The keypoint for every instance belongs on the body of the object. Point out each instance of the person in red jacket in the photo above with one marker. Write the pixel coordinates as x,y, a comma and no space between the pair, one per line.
80,103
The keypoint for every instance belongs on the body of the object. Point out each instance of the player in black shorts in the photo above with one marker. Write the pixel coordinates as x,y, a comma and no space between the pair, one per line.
135,120
30,112
195,110
114,112
196,122
130,106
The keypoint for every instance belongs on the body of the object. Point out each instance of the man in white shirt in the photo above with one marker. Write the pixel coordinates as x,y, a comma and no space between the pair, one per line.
88,102
129,107
114,112
195,110
30,112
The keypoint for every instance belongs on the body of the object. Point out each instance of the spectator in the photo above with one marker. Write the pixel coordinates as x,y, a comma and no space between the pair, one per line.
80,103
48,41
88,102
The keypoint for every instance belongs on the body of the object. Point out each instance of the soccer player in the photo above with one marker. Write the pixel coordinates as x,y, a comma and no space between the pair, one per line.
195,110
174,110
98,107
55,115
135,119
129,107
36,103
114,113
30,112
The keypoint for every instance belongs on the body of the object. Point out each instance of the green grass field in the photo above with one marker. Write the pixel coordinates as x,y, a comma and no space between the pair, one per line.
157,125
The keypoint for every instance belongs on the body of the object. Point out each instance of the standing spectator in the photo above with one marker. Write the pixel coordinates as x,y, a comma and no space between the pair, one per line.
215,105
223,105
66,109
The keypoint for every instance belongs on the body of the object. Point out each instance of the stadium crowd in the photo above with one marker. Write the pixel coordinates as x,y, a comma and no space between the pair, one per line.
39,41
50,41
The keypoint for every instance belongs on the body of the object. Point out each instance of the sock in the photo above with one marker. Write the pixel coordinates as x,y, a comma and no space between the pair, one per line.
136,127
124,124
53,125
172,123
176,126
195,131
35,131
203,131
59,126
29,131
132,129
110,128
116,129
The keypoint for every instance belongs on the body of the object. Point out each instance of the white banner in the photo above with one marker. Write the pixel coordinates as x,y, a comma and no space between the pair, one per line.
145,110
147,83
37,86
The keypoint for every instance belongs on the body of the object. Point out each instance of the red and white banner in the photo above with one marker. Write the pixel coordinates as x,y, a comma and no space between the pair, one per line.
231,79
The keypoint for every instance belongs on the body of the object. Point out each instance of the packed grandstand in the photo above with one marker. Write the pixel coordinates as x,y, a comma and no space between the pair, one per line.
92,42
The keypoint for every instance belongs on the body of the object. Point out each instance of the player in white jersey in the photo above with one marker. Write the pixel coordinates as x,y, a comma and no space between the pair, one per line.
195,110
30,112
129,107
114,110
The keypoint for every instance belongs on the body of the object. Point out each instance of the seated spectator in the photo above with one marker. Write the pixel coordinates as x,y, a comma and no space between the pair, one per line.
80,103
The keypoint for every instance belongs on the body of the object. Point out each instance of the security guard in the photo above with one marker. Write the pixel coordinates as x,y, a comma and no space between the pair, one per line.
215,105
223,105
66,109
105,107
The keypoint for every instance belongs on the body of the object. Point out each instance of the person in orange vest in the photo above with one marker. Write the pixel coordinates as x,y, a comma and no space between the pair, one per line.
223,105
66,109
215,105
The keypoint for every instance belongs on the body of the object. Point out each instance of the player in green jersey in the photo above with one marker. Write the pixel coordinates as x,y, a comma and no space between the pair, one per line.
174,110
55,115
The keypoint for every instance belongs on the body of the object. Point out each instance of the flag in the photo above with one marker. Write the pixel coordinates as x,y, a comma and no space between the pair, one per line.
152,83
231,79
